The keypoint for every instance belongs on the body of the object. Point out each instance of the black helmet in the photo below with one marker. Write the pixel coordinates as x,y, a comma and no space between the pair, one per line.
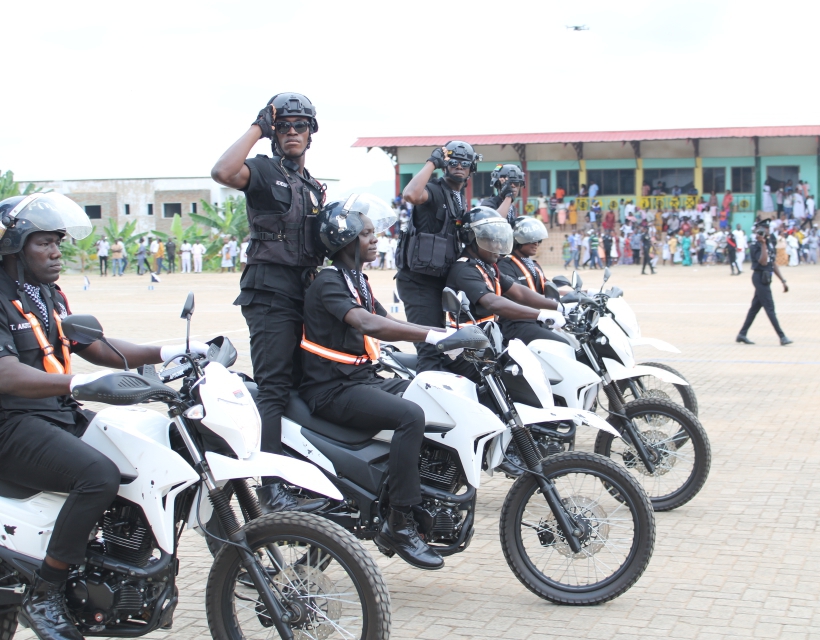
529,230
20,216
488,230
463,151
294,104
509,171
340,222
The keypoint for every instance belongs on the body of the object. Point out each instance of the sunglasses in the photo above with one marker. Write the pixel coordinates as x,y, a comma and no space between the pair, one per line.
283,126
464,163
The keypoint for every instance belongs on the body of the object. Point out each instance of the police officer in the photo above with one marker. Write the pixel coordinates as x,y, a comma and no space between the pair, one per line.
521,266
40,423
507,180
283,201
430,244
762,252
343,321
487,237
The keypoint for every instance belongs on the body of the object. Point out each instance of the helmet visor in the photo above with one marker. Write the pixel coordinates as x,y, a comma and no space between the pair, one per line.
381,214
494,235
529,230
55,212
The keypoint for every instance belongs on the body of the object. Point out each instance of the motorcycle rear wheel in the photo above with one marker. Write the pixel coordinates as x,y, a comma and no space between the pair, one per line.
685,454
617,519
652,387
309,588
8,621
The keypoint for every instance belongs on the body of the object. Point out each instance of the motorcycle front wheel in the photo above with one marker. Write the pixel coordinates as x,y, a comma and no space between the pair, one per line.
321,574
615,520
652,387
678,443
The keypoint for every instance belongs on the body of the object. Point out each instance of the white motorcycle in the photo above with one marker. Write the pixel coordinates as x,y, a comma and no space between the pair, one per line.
294,574
643,383
575,527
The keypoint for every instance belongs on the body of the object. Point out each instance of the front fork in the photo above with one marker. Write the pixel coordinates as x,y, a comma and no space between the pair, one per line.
616,406
529,453
222,506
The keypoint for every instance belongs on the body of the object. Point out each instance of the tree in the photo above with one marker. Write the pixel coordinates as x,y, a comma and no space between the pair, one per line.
9,188
190,234
228,219
83,250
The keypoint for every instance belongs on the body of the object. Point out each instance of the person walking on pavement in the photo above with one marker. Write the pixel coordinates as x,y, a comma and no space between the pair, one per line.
142,255
103,247
283,200
731,253
430,245
762,254
117,252
646,250
171,255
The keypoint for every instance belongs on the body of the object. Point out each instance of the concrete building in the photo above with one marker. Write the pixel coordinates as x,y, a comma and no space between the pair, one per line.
696,161
152,202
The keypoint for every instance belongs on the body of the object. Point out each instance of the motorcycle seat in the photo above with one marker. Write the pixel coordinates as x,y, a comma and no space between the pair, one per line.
16,491
409,360
298,411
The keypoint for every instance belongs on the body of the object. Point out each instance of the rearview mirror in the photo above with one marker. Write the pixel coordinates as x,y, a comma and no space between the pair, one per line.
84,329
607,273
561,281
551,292
188,309
450,301
576,282
465,301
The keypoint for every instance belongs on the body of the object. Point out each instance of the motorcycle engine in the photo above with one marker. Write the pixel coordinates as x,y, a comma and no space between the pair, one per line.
98,597
439,521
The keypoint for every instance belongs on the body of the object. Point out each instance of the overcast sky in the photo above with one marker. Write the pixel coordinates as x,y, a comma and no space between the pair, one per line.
160,89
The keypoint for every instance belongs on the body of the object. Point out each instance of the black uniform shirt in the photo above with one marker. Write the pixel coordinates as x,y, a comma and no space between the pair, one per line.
494,202
467,275
268,190
17,339
509,268
327,301
430,217
756,248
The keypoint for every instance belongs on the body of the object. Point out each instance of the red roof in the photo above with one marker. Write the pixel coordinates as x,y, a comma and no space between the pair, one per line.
591,136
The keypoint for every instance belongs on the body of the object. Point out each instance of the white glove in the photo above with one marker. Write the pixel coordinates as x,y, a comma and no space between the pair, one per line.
434,337
555,317
85,378
170,351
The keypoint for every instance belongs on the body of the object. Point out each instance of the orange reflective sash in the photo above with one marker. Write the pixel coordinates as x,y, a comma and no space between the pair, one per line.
50,362
371,345
452,321
528,275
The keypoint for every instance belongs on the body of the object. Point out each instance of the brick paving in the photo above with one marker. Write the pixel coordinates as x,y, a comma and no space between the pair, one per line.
738,561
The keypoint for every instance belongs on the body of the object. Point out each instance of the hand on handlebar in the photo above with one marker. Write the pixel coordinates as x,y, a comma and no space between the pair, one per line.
85,378
171,351
556,318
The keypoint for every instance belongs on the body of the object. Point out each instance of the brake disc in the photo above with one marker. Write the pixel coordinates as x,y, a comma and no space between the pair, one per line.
313,597
661,444
590,515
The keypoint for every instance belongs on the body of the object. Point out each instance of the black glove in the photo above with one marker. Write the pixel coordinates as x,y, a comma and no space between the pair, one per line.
265,121
438,158
506,191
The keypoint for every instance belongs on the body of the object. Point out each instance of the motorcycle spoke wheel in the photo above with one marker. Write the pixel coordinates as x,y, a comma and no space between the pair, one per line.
679,447
613,515
321,575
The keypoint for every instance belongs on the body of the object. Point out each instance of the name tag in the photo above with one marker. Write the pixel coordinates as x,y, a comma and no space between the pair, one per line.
20,326
279,183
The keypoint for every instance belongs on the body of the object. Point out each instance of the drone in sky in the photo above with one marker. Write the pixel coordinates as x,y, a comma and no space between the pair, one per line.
578,27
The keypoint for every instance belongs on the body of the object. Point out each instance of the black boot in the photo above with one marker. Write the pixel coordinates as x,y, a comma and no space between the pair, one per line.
275,497
741,337
44,611
399,535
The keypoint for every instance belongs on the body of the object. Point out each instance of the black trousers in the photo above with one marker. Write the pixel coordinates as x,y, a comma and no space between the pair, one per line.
371,406
41,455
762,299
103,265
647,260
636,256
422,305
731,257
275,324
529,330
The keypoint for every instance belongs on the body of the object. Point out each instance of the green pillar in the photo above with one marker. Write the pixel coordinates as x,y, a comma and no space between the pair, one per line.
758,179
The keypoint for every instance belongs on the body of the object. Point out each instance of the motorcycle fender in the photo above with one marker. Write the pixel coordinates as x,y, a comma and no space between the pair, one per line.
535,415
292,471
662,345
620,372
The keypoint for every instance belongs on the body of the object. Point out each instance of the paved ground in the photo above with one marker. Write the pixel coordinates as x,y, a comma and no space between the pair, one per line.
738,561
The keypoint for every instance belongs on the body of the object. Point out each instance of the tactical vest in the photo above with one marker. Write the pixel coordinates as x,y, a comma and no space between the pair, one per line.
286,238
432,254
